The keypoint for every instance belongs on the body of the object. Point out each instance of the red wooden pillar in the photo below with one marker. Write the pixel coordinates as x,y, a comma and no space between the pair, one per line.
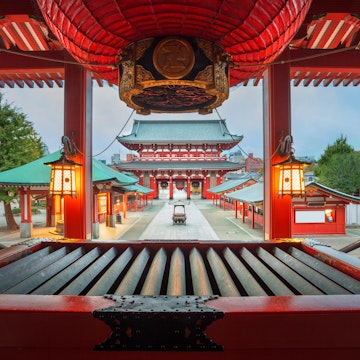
245,212
188,188
110,216
136,202
205,184
154,186
203,187
277,123
171,188
78,127
125,206
253,217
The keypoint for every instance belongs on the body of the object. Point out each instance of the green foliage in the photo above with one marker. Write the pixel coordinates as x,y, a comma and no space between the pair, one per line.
339,167
339,147
16,211
19,142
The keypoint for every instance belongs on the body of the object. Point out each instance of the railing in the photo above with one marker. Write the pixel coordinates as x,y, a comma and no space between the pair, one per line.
175,270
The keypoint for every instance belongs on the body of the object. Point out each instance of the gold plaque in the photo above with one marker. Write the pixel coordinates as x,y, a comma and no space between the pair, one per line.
173,58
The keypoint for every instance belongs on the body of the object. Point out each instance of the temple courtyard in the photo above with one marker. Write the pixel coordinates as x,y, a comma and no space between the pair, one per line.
204,221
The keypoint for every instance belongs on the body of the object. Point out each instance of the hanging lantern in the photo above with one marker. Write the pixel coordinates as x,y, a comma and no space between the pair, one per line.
291,180
174,56
291,177
63,178
164,184
180,185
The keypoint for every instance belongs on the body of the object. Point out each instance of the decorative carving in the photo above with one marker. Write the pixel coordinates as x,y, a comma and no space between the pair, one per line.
142,46
206,47
143,74
173,58
173,98
221,79
172,75
207,75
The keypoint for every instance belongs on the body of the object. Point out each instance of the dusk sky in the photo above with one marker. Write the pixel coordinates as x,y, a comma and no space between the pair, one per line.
319,116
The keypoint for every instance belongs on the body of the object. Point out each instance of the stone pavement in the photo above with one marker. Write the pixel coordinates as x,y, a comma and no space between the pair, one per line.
205,221
161,226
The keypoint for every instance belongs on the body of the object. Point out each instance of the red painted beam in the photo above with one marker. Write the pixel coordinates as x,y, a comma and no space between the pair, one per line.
32,62
333,6
18,7
286,327
278,327
338,260
325,60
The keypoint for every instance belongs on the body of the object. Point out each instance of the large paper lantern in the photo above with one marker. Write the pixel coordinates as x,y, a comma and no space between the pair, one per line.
174,56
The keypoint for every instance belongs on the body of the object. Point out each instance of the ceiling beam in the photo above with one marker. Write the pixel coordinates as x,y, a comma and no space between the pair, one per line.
48,61
334,6
17,7
304,60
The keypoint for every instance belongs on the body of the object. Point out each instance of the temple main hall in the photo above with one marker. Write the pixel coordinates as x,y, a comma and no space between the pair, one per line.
179,155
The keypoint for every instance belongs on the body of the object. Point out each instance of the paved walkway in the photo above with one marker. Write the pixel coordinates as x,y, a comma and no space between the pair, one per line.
205,221
195,228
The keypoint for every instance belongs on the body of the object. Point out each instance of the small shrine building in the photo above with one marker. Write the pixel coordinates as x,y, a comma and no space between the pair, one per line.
180,154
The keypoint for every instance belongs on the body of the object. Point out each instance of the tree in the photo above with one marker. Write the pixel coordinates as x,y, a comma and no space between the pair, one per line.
339,167
340,146
19,144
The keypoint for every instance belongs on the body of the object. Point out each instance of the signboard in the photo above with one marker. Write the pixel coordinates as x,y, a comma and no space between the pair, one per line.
315,216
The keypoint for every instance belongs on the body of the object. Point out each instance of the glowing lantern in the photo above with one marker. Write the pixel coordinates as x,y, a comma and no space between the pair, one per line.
63,177
174,56
291,178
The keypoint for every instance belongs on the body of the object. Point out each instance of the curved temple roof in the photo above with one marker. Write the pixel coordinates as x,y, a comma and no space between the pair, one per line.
180,165
36,173
179,132
255,193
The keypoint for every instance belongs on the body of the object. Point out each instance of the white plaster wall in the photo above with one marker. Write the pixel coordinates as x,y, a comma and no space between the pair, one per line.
352,214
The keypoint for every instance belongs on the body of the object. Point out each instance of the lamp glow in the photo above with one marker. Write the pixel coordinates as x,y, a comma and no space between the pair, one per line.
63,177
291,180
291,177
